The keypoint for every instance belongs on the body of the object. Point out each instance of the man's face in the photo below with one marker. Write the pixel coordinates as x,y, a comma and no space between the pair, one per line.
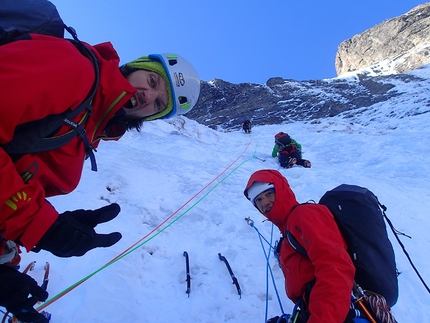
264,201
151,94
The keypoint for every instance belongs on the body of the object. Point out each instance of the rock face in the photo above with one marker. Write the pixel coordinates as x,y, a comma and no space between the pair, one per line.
402,42
224,106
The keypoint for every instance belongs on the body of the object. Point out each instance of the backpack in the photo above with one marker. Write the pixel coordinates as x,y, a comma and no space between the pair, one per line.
19,18
282,139
358,215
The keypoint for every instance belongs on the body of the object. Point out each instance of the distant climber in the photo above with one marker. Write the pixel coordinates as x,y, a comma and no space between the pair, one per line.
288,151
247,126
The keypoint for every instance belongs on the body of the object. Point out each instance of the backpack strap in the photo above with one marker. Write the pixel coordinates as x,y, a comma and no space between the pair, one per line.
280,145
87,104
295,244
291,239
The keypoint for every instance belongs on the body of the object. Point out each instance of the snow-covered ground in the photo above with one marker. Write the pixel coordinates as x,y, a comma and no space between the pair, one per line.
187,181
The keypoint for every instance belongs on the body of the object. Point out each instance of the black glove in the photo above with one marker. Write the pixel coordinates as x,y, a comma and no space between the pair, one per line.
15,288
72,234
276,320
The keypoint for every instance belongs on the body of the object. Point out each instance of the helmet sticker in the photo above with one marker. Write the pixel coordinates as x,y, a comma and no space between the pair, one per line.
179,79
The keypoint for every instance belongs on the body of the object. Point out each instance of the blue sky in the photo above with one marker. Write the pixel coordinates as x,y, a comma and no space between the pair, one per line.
237,40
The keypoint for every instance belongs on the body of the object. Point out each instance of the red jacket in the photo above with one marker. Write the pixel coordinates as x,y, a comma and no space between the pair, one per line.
39,77
329,265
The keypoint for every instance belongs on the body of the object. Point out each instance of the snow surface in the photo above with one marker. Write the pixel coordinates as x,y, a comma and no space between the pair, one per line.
186,181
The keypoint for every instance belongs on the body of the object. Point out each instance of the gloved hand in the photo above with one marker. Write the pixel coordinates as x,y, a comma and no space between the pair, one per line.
15,288
276,320
72,234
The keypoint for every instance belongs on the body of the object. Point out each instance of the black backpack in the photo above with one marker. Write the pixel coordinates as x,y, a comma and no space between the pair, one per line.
358,215
282,139
19,18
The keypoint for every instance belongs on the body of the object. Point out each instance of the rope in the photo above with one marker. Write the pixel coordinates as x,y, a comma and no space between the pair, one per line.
139,243
396,235
6,315
268,268
267,271
379,306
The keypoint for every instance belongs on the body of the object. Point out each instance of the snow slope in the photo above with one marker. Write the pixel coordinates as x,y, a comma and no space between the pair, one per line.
190,179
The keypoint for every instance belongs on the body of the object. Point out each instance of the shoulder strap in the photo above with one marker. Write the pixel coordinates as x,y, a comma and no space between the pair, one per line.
292,240
280,145
295,244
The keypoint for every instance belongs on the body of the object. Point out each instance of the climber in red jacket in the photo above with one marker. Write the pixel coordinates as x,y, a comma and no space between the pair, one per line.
46,76
325,279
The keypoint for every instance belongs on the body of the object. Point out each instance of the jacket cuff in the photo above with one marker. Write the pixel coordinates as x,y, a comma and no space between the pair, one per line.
41,222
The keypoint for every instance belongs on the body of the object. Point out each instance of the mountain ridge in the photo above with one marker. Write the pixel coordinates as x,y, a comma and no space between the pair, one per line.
224,106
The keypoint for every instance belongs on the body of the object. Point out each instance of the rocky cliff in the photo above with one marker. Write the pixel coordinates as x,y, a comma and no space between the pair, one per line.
224,106
402,42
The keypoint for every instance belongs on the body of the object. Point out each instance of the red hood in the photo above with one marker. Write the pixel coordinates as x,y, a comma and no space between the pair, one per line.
285,199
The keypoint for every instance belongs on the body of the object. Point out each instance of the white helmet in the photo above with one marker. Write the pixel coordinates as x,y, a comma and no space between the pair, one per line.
184,82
